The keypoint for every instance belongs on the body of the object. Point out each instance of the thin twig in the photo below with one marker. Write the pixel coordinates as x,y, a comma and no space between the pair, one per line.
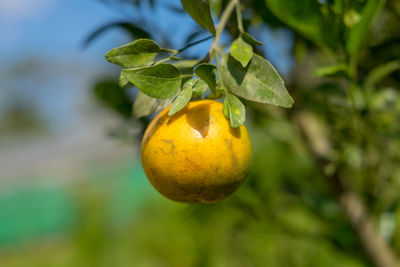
221,25
194,43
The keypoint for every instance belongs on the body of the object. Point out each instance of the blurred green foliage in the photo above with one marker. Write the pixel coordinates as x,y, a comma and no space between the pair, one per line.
283,216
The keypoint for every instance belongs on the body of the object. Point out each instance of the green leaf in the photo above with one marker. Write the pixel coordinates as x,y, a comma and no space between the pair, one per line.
199,88
159,81
185,66
359,32
250,39
306,18
186,63
207,72
241,51
136,54
183,98
336,70
122,81
113,96
258,82
234,110
199,10
145,105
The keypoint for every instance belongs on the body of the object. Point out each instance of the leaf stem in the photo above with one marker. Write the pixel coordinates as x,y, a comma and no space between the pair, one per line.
221,25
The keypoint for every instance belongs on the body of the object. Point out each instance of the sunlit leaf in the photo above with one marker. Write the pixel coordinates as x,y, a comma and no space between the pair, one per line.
123,81
199,88
258,82
136,54
241,51
183,97
234,110
159,81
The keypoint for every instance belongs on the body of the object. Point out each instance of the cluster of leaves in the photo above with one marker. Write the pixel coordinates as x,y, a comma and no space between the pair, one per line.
239,73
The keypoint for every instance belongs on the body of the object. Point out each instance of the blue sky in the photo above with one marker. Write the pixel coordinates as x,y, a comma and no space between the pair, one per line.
56,28
48,28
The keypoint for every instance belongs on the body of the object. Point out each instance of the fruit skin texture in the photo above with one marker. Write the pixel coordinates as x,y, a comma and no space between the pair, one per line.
195,156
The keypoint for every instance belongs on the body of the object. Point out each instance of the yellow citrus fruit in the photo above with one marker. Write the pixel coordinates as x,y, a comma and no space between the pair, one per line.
195,156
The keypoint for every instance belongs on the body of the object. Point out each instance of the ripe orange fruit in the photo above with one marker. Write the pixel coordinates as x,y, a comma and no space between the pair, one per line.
195,156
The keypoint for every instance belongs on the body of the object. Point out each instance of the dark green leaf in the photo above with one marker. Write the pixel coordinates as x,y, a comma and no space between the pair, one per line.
113,96
241,51
359,32
207,72
199,10
250,39
132,29
136,54
122,81
199,88
306,18
183,98
258,82
145,105
234,110
159,81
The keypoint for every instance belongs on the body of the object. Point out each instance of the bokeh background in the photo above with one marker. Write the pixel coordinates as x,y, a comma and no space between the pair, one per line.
72,189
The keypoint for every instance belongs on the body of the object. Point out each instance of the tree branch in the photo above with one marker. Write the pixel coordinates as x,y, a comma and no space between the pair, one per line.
353,207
